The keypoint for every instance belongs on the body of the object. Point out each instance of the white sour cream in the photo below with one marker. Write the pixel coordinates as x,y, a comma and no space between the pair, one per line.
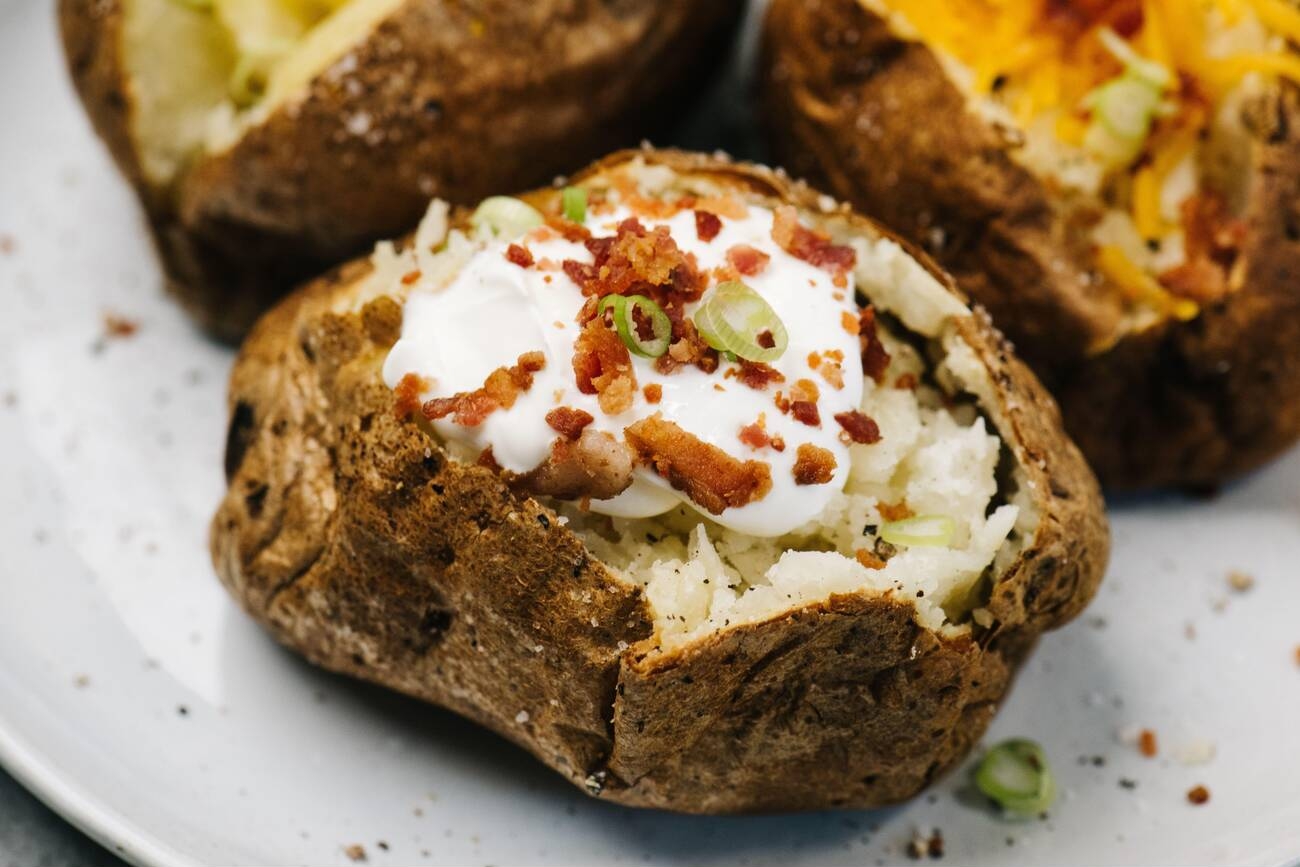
494,311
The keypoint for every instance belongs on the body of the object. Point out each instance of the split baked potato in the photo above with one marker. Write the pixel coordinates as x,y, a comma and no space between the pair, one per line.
821,607
1116,181
271,139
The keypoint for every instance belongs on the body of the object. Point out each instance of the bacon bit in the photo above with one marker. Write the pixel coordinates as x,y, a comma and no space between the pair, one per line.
812,247
747,260
828,367
895,512
1214,241
708,475
488,460
654,392
569,421
1198,795
782,403
411,276
805,390
906,381
1147,743
813,465
875,358
541,234
754,436
500,391
806,413
119,326
567,229
707,226
655,208
755,374
814,360
869,559
547,264
408,391
723,206
603,366
521,256
850,322
858,428
688,349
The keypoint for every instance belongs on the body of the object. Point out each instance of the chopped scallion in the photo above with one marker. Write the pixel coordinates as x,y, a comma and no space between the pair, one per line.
505,217
1016,776
921,531
642,325
574,202
734,318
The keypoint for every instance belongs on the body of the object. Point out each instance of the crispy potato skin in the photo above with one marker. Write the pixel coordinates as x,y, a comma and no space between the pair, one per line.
875,119
358,542
451,100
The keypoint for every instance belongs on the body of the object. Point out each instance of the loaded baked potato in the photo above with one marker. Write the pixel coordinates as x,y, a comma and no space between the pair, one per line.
693,483
1116,181
270,139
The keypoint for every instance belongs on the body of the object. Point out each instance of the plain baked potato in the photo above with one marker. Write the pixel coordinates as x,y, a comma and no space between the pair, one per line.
271,139
825,670
1152,279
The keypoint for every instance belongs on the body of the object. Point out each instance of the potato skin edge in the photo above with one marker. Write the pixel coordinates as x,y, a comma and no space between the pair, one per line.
766,717
1186,404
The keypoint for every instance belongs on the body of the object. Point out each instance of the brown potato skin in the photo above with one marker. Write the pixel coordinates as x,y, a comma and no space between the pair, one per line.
451,112
874,118
358,542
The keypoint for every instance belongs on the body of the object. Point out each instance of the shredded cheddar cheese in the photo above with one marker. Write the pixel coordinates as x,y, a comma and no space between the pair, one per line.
1140,286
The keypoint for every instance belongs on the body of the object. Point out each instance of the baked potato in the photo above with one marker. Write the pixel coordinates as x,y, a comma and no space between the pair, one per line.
271,139
695,484
1116,181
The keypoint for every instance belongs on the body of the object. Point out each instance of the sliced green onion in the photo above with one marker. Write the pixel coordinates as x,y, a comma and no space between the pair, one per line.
574,201
625,312
735,318
505,217
1143,68
1016,776
920,531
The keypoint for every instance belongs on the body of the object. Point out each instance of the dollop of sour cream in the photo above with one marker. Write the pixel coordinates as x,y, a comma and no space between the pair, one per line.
493,311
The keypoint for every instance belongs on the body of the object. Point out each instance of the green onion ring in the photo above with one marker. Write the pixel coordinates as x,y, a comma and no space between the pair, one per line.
921,531
624,309
574,204
506,217
1016,776
733,318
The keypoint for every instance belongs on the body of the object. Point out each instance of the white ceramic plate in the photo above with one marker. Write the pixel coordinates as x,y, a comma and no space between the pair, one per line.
137,701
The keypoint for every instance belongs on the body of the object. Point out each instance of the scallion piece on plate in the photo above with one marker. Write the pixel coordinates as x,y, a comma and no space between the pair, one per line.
921,531
1016,776
574,204
734,318
642,325
505,217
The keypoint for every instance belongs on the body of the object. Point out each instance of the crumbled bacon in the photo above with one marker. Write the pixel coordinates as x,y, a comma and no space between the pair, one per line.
488,460
869,559
640,261
569,421
875,358
1147,743
747,260
708,475
688,347
806,412
1214,241
602,366
707,226
754,436
813,465
850,323
755,374
858,427
906,381
407,393
654,392
812,247
410,277
500,391
567,229
119,326
899,511
828,366
724,206
521,256
1198,795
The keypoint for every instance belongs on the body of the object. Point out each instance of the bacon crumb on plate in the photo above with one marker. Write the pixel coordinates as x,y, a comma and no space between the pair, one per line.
411,276
713,479
1147,743
119,326
813,465
1198,795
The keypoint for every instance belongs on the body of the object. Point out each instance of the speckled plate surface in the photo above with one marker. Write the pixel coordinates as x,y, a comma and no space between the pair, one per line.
136,700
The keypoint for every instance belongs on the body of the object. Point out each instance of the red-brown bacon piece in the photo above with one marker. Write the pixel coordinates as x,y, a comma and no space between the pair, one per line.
755,374
748,261
602,366
500,391
813,465
639,261
812,247
708,475
707,225
519,255
1214,240
875,358
569,421
407,395
858,427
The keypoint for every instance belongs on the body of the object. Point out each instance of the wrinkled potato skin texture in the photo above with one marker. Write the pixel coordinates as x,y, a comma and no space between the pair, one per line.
1184,404
358,542
547,86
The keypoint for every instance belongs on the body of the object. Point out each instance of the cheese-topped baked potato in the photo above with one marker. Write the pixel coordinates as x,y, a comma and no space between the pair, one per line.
270,139
1117,181
700,487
